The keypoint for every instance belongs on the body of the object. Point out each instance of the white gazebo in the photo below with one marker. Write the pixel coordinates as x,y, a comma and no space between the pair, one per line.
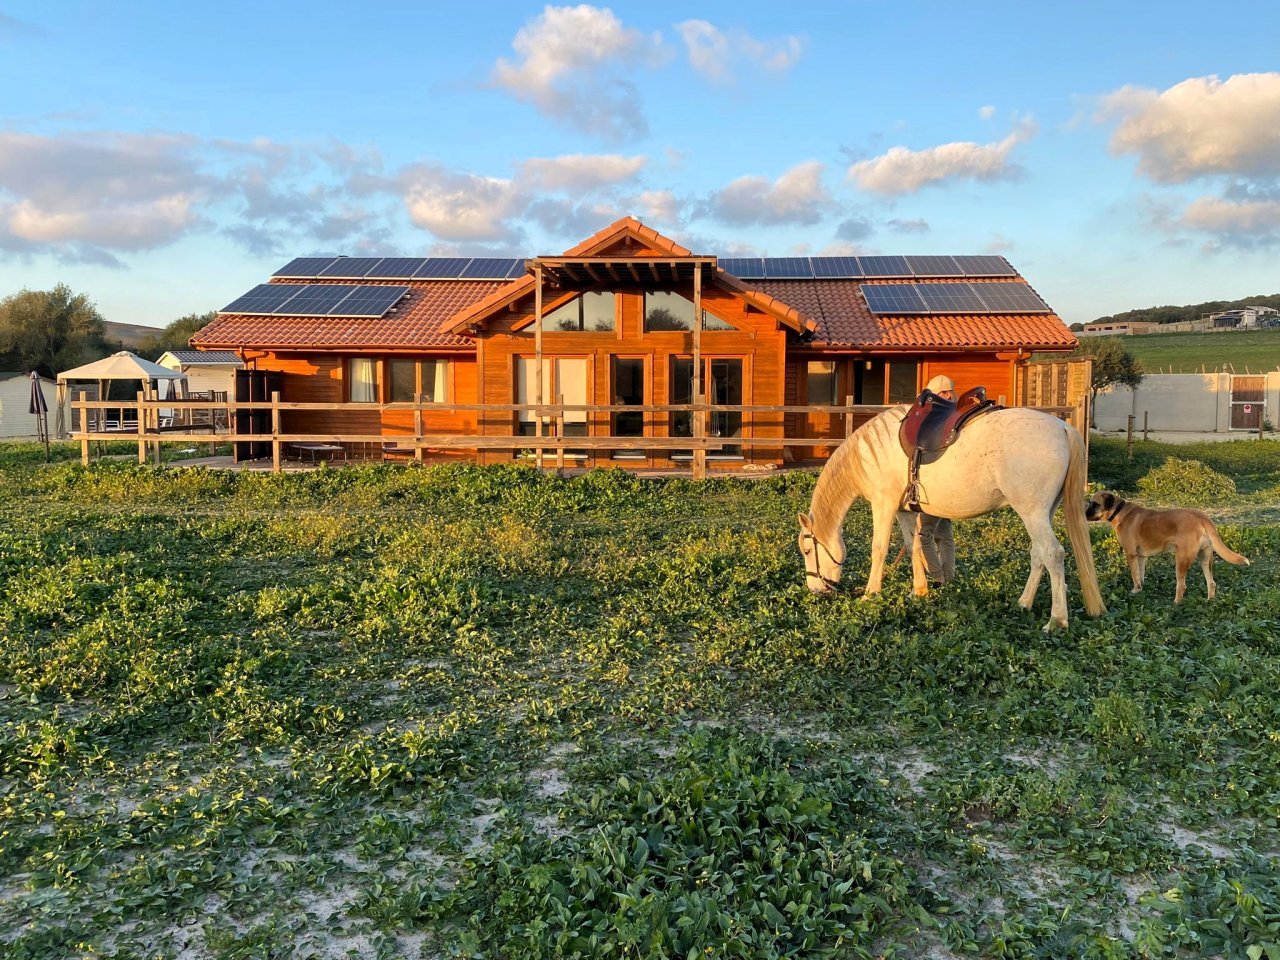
95,378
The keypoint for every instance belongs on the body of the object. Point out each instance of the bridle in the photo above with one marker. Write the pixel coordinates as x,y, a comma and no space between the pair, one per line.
818,544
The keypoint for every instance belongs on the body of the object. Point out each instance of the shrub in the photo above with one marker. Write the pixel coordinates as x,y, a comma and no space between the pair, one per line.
1187,481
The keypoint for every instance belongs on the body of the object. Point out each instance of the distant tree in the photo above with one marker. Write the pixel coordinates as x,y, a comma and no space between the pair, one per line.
1076,327
176,335
1112,364
50,330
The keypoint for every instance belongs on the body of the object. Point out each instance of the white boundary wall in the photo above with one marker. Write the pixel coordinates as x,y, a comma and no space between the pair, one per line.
1195,402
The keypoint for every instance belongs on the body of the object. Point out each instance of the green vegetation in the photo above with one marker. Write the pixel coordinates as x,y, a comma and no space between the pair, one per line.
1192,311
1255,351
484,712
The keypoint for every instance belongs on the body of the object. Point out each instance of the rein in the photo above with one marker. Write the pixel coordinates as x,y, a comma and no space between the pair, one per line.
818,544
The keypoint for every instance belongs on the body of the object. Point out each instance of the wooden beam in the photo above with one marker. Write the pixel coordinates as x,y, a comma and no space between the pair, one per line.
653,268
699,417
591,272
635,274
537,333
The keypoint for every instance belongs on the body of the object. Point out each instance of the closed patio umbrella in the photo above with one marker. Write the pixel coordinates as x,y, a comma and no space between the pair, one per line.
41,411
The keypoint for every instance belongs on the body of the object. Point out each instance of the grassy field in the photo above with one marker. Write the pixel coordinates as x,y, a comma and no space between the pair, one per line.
1255,352
480,712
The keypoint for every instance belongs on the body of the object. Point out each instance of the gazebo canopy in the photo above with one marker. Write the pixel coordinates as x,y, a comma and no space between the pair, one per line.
121,366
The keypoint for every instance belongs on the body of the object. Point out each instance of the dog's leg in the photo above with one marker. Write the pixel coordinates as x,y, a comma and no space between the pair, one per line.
1206,564
1184,561
1142,572
1135,571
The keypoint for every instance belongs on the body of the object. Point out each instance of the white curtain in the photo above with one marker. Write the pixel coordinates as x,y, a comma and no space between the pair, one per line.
364,380
434,378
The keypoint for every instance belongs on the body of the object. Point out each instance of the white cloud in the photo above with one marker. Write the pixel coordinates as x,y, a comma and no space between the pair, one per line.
76,193
564,59
915,225
798,196
460,206
987,112
659,205
901,170
1233,217
714,53
579,172
1202,126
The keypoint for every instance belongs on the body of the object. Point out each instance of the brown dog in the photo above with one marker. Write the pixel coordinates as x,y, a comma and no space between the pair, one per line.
1142,533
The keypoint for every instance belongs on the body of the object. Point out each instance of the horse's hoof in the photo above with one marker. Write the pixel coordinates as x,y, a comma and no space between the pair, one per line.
1026,604
1053,625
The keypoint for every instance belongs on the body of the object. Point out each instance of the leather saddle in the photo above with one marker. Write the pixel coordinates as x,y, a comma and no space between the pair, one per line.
933,424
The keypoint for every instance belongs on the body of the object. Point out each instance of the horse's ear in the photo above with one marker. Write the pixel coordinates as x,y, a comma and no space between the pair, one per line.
806,523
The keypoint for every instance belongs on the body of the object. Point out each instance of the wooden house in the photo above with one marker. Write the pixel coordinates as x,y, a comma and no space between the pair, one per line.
620,327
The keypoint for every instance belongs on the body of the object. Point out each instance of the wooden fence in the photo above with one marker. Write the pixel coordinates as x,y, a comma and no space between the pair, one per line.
170,421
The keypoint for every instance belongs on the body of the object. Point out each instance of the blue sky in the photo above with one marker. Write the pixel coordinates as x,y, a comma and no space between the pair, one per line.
164,158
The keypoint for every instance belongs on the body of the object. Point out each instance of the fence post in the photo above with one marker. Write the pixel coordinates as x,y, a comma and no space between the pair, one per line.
417,427
560,434
1145,419
84,427
141,426
848,416
1128,440
275,431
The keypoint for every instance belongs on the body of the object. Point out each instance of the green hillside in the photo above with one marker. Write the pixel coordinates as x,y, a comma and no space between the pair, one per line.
1191,311
1251,352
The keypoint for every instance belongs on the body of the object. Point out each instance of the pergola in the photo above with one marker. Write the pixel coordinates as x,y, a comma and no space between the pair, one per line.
119,366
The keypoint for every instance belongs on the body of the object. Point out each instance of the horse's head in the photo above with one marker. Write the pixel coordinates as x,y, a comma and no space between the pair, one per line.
823,562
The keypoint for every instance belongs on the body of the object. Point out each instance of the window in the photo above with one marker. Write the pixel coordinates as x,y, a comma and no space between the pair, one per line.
723,386
668,310
628,390
822,377
902,381
407,378
562,377
880,382
592,312
362,375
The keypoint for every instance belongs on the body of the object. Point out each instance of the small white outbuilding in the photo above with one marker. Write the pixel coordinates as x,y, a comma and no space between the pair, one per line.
17,422
207,371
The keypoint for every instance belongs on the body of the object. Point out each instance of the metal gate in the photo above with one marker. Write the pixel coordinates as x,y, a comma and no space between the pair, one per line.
1247,402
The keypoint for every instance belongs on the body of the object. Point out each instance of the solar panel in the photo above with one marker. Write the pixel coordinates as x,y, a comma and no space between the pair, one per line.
264,298
836,268
934,267
491,268
303,267
788,268
441,268
950,298
985,266
395,268
350,268
369,301
893,298
316,299
885,267
745,268
1010,298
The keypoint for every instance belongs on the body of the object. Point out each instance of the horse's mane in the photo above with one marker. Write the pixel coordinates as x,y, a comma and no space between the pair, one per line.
849,470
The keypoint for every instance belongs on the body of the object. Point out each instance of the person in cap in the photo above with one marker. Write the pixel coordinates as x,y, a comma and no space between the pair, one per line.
936,537
942,386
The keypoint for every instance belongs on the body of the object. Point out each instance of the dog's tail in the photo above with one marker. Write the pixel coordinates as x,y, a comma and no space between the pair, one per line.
1077,526
1220,548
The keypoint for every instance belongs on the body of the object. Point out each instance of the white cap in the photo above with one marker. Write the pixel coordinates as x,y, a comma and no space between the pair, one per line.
940,383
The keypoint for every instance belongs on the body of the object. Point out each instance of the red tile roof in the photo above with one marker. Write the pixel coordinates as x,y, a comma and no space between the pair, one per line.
416,324
844,321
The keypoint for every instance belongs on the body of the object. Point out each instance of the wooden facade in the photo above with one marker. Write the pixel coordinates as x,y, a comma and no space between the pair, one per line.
620,328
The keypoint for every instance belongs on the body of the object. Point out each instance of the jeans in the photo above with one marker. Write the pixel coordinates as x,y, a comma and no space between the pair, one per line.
936,540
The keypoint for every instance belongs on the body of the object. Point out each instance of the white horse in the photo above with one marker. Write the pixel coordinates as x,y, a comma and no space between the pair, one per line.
1017,457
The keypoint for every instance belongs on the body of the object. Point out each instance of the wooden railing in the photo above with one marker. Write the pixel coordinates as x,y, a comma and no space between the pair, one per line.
550,420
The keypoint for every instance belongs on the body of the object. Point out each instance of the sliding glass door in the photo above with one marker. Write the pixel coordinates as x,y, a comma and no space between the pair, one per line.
723,381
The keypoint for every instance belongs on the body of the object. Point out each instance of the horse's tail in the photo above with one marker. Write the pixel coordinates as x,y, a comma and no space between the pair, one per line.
1077,526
